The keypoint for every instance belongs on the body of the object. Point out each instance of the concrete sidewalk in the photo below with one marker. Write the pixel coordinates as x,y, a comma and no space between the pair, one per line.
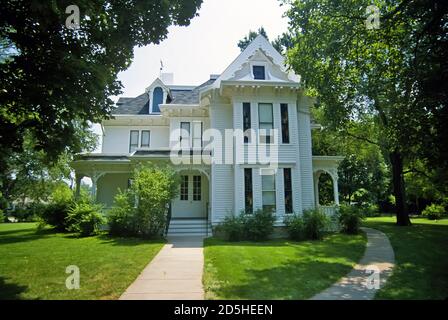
380,255
175,273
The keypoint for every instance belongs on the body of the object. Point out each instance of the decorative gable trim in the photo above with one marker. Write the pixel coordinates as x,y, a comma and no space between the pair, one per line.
259,44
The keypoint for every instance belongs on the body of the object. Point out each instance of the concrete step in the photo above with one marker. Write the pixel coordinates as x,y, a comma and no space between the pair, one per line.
189,227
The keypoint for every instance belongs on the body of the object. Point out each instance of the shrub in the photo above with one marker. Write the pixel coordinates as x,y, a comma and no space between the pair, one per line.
256,226
434,211
29,212
2,216
349,218
370,210
295,227
316,223
56,211
233,228
142,210
121,218
85,218
259,225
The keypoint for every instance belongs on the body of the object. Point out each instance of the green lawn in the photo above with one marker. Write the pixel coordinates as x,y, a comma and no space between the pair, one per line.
32,265
278,269
421,253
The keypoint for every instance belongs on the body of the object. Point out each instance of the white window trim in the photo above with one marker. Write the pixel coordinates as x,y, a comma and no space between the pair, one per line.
261,64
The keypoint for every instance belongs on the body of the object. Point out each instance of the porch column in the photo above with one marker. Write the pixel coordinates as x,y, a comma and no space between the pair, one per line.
95,178
316,188
335,190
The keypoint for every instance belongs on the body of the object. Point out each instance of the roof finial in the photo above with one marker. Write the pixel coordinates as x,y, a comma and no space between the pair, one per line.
161,67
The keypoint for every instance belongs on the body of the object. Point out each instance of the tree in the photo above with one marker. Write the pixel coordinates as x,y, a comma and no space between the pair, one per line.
359,73
55,78
281,43
29,177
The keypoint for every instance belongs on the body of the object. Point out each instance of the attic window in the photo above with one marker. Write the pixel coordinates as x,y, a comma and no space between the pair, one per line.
157,98
259,72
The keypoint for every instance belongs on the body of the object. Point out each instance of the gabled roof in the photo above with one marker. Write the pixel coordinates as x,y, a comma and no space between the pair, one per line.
140,104
260,43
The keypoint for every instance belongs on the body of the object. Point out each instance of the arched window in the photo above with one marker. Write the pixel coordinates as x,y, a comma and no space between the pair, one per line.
157,98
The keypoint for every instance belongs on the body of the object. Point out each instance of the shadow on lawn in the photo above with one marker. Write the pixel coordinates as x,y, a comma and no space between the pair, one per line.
23,235
10,291
127,241
291,281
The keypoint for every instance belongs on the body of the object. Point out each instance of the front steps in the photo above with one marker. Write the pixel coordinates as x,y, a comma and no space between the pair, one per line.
189,227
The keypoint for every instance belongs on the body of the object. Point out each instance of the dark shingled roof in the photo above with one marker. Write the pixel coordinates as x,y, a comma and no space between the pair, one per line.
140,104
137,105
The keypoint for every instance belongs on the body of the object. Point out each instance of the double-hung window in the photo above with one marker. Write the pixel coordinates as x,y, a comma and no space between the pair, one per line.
288,190
268,192
266,122
197,134
285,122
185,134
246,121
248,194
145,140
133,141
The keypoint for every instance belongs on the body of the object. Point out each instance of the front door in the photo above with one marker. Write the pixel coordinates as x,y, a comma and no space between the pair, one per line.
190,201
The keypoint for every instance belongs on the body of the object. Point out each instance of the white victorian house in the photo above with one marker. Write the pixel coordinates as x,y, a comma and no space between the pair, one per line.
257,95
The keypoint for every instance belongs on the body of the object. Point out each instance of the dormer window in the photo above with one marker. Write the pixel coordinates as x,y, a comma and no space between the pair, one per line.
157,99
259,72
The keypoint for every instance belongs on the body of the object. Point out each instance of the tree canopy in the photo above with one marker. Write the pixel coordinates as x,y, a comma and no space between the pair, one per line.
392,73
55,78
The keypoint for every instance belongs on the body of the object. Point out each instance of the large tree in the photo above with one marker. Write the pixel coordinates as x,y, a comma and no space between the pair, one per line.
395,72
55,79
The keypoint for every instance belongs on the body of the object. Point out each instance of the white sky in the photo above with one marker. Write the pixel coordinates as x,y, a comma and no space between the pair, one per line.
207,46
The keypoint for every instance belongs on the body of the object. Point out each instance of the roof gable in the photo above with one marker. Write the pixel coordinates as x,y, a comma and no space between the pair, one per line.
259,50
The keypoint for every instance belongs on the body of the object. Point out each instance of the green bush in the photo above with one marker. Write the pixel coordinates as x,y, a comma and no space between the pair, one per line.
434,211
233,228
56,211
295,226
259,225
142,210
350,218
370,210
2,216
85,218
29,212
256,226
316,223
121,218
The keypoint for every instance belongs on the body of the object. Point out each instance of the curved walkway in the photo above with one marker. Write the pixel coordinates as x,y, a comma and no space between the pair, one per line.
175,273
369,275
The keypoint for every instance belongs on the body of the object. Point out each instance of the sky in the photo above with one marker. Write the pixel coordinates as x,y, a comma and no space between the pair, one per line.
207,46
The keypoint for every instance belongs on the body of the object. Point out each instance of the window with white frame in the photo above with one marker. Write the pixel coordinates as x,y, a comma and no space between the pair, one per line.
145,139
197,134
265,122
259,72
185,134
268,192
133,141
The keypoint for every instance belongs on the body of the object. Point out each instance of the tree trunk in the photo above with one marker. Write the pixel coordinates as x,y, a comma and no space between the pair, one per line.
399,190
